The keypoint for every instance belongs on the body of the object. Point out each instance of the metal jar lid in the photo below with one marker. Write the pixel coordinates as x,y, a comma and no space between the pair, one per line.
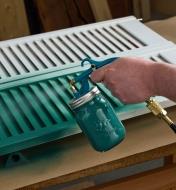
83,99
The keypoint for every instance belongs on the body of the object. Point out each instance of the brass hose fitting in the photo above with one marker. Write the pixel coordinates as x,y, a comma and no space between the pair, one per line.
160,112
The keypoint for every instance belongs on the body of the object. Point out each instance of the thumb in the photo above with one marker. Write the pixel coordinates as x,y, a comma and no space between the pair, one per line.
98,75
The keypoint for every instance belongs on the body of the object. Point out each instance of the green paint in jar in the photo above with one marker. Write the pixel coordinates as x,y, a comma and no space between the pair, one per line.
98,121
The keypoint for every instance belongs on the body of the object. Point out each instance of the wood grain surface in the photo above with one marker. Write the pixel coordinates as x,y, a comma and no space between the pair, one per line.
73,158
13,19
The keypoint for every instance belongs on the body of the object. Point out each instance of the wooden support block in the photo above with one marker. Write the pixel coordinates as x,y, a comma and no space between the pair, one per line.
168,160
174,158
159,179
81,185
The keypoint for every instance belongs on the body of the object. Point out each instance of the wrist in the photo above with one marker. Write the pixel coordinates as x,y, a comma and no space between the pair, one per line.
153,79
160,78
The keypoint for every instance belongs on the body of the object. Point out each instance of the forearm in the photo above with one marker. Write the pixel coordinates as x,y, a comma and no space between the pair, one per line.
134,80
165,80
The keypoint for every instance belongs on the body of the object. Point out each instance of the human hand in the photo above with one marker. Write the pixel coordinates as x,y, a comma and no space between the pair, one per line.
129,79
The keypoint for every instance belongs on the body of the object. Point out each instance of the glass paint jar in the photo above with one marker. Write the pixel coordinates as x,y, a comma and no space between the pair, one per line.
98,121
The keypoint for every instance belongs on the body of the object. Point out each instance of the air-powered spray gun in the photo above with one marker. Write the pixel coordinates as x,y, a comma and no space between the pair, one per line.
96,116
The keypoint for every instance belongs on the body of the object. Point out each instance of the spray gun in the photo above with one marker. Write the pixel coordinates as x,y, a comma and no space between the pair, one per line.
151,104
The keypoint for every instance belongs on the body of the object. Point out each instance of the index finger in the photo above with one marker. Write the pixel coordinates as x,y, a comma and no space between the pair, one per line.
98,75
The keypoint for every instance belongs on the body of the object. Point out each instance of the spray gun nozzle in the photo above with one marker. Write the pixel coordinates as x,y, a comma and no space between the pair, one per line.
72,86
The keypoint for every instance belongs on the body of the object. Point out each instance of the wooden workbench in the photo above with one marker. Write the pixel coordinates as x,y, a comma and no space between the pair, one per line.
147,138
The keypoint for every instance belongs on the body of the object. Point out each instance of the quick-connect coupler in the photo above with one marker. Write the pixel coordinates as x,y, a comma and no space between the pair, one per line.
160,112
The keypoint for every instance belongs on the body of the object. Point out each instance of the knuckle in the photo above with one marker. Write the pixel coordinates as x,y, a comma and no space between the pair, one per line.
109,69
109,77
